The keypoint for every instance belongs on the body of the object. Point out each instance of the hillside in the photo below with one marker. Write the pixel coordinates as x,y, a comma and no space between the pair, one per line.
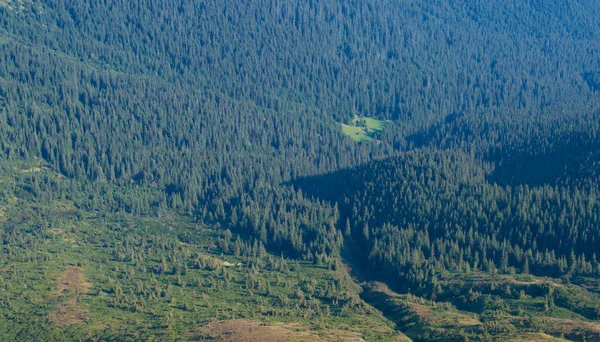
70,273
334,170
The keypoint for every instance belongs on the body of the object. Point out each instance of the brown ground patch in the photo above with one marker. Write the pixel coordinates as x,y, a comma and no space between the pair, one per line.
68,240
572,329
71,285
56,230
248,331
591,326
438,316
422,311
74,281
68,313
7,268
61,231
535,337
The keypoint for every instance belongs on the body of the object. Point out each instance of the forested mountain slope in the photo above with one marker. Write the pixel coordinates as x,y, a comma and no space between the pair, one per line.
228,114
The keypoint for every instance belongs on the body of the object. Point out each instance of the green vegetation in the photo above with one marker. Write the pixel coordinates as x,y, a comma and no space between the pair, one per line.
496,319
67,273
476,258
357,134
363,129
175,170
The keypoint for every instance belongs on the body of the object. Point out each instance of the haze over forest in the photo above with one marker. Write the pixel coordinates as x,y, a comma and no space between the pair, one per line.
382,170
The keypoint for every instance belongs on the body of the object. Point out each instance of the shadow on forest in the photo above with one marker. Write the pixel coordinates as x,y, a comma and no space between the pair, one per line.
545,158
538,161
568,157
335,186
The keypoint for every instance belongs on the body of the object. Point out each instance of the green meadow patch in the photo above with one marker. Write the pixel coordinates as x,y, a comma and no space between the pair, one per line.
363,128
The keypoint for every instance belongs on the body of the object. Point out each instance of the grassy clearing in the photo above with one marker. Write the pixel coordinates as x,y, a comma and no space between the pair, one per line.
363,129
372,124
357,134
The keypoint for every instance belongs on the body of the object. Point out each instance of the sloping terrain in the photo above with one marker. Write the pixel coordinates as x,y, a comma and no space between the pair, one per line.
233,170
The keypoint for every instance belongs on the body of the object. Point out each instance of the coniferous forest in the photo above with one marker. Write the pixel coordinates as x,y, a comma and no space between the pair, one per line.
383,170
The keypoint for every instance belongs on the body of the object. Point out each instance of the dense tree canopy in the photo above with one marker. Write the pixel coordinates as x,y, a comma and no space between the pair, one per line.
230,112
